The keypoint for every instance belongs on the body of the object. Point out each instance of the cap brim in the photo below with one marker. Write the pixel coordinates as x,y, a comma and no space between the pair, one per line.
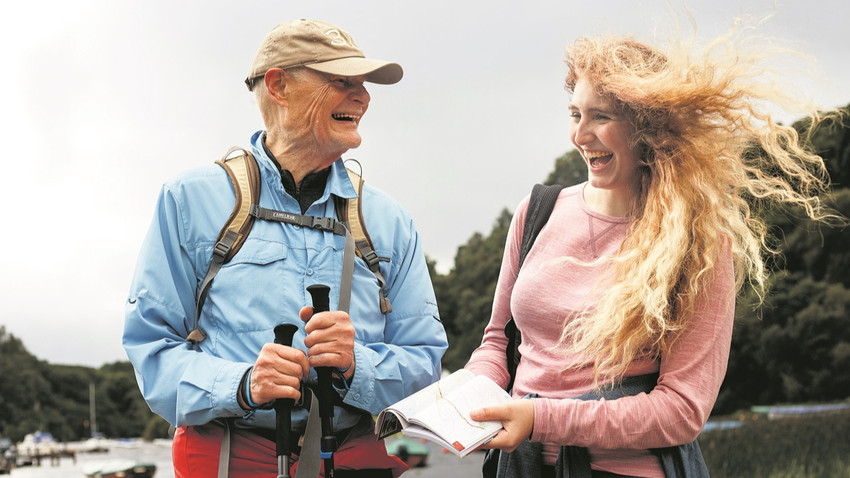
375,71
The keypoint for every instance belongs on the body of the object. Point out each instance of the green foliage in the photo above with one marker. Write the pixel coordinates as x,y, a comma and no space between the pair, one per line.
569,169
37,396
795,348
466,294
127,411
820,250
156,427
24,387
810,446
831,140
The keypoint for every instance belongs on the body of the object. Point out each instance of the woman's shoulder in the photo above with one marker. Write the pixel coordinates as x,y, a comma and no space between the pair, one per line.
565,193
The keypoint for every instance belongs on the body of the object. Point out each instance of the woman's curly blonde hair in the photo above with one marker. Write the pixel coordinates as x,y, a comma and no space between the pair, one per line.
711,154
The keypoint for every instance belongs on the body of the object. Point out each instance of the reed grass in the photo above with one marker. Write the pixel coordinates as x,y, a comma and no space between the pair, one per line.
815,445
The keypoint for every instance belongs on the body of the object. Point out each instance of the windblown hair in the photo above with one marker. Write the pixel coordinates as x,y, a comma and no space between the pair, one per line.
711,155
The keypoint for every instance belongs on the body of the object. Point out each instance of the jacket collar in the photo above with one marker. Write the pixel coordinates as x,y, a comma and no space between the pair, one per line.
338,182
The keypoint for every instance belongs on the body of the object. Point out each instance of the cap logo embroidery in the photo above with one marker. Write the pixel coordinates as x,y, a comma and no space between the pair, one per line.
336,38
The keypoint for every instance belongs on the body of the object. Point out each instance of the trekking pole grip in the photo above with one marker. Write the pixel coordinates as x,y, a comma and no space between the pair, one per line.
320,294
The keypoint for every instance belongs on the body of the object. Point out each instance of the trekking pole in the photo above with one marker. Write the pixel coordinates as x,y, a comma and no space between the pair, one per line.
319,293
282,408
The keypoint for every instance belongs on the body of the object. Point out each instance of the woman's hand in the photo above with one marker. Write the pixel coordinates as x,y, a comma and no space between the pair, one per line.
517,418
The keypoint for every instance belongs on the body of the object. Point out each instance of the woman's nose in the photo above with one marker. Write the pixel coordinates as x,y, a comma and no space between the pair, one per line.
582,135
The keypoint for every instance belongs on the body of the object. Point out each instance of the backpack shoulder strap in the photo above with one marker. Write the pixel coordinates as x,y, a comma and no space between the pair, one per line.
245,178
540,207
350,211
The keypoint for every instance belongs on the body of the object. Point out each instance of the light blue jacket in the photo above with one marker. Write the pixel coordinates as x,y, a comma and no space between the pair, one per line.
264,285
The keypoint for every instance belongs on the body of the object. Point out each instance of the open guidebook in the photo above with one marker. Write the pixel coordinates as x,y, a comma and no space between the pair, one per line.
440,413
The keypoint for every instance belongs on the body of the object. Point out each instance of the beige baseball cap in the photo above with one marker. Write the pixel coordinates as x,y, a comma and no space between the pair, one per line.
320,46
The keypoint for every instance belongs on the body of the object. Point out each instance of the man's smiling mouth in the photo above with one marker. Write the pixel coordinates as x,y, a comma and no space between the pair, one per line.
345,117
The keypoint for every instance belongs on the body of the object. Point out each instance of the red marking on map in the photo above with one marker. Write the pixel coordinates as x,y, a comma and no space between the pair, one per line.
458,446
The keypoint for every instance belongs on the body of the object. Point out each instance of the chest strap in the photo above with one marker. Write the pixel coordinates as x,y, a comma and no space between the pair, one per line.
244,175
223,248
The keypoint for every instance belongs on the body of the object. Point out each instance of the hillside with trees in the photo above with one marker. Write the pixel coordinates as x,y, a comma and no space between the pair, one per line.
794,349
38,396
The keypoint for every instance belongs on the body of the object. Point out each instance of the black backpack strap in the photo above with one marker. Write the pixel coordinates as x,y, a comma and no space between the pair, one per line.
540,207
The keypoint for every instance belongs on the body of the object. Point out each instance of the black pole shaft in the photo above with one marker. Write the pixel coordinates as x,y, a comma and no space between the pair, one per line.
283,408
320,294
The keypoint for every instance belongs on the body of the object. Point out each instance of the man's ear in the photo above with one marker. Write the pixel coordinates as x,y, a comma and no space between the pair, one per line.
275,82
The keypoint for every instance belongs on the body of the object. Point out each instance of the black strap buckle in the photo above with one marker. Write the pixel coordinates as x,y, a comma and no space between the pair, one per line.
324,223
222,248
371,258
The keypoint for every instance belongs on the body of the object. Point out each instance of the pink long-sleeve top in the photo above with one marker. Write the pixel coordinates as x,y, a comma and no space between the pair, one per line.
617,433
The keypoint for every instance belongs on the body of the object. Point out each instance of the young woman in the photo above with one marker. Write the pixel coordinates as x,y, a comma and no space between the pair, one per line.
626,301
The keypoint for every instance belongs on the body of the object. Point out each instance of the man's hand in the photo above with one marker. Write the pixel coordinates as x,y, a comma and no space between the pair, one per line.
277,373
330,340
516,416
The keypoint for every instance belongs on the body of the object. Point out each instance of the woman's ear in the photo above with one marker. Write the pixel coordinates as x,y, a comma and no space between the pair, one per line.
275,82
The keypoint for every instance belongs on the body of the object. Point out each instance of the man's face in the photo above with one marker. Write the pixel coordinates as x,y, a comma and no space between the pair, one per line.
324,110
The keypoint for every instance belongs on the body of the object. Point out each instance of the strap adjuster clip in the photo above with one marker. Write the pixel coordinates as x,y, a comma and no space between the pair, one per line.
371,258
221,248
324,223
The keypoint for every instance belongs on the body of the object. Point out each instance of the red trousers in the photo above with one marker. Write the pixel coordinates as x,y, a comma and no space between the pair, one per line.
195,454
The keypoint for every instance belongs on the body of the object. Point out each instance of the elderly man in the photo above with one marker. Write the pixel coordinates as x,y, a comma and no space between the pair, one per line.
202,348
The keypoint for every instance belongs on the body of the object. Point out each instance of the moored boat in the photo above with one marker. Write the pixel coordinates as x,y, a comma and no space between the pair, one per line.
120,469
412,452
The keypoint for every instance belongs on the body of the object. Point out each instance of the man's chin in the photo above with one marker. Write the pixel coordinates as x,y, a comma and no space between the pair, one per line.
352,143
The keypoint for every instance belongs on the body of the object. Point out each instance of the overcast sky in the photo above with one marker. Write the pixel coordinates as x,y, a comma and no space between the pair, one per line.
102,101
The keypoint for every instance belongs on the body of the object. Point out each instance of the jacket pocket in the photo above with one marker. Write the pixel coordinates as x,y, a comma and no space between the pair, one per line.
249,292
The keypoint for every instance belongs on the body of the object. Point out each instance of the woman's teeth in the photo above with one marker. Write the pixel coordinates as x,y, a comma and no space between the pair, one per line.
598,159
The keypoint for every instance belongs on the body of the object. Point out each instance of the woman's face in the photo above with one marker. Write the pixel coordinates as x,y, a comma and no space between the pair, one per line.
601,134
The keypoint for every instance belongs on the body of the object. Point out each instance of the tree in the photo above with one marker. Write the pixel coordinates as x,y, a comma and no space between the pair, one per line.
37,396
820,250
124,412
24,389
465,294
570,169
795,348
831,140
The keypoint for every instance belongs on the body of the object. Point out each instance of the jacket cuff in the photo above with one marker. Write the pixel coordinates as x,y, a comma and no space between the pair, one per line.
226,391
361,390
